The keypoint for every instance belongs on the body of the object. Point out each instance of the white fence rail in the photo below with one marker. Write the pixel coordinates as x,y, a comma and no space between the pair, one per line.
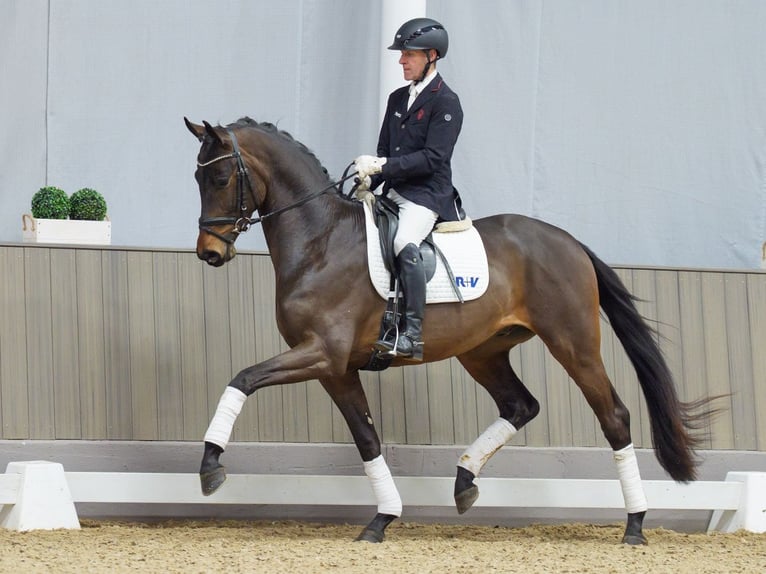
40,495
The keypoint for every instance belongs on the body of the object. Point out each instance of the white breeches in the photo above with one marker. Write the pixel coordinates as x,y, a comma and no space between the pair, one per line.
415,222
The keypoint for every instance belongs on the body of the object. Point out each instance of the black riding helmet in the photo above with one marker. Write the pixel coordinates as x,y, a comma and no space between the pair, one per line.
422,34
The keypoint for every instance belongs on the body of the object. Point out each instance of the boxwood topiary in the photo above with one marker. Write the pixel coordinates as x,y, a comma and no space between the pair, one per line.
88,204
50,203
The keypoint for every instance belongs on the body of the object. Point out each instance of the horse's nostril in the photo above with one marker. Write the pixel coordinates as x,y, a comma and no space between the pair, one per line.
211,258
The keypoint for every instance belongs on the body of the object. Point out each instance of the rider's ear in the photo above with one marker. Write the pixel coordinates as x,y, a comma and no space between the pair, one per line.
196,130
210,130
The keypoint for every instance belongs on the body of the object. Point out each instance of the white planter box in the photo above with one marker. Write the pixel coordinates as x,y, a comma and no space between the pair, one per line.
69,231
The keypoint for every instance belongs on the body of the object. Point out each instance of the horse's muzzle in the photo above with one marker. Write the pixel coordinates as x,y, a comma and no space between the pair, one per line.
213,256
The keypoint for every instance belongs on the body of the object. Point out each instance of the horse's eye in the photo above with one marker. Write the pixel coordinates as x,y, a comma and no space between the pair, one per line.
220,180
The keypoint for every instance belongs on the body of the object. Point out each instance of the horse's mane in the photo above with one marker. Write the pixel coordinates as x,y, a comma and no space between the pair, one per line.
268,127
271,129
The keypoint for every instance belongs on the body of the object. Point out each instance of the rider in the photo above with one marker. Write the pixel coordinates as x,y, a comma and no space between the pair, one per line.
419,131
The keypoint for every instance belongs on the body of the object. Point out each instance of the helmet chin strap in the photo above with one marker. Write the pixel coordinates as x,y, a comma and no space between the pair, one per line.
429,61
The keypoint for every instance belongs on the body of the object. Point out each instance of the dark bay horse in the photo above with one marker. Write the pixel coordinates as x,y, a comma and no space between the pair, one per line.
543,283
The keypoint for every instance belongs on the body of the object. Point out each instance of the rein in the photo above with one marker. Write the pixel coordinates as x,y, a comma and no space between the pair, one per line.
243,222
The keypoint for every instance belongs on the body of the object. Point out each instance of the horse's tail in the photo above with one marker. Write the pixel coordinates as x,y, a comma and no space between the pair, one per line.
671,420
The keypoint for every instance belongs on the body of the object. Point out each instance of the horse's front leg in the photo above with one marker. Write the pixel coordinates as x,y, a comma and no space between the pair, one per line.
347,393
304,362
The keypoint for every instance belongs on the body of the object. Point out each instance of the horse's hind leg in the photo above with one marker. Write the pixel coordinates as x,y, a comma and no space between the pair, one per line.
582,360
490,366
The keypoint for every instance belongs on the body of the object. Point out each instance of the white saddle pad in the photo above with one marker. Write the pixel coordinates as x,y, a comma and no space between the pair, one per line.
463,249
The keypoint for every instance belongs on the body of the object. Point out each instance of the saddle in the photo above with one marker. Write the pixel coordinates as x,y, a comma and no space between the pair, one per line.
386,217
386,214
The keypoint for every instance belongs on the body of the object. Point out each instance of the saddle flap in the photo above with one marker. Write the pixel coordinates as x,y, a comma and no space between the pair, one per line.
463,249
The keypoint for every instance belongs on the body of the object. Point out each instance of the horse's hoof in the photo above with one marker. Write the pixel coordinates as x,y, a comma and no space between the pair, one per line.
635,540
634,529
212,480
370,535
464,500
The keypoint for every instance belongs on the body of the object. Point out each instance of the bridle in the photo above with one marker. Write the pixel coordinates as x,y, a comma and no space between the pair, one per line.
242,222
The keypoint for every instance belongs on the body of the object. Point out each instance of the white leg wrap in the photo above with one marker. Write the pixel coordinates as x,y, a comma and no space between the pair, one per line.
383,486
490,441
222,424
630,479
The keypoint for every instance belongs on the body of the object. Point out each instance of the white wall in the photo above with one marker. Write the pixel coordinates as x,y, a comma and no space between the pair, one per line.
638,125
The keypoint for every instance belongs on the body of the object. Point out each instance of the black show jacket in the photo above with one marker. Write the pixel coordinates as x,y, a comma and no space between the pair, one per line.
418,145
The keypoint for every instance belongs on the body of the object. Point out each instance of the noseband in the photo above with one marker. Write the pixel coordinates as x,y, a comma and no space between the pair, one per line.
242,222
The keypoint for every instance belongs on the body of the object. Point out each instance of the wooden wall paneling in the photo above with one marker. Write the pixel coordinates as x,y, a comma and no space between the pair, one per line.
441,417
694,382
167,330
531,371
561,402
465,424
716,357
66,373
14,391
193,358
756,304
38,358
268,344
416,404
143,345
119,393
741,383
168,348
91,346
241,318
645,288
295,411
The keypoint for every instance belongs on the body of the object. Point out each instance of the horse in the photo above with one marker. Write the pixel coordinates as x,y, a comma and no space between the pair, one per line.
542,282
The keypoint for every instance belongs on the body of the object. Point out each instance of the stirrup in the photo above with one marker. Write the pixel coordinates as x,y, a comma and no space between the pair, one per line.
390,348
386,346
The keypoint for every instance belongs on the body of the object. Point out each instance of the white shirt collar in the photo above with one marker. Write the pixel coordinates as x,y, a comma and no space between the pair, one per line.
417,87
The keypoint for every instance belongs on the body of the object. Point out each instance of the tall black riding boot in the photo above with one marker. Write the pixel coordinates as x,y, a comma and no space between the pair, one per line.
413,279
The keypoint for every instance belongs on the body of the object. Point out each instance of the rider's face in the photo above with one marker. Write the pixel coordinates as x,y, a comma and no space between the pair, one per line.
413,63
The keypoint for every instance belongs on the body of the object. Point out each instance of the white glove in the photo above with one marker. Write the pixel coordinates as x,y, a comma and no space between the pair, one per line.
368,165
364,183
366,197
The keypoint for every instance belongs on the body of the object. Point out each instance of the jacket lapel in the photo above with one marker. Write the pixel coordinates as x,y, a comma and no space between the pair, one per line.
425,96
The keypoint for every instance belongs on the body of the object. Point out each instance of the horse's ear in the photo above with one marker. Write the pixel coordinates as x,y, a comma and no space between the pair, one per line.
198,131
210,130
